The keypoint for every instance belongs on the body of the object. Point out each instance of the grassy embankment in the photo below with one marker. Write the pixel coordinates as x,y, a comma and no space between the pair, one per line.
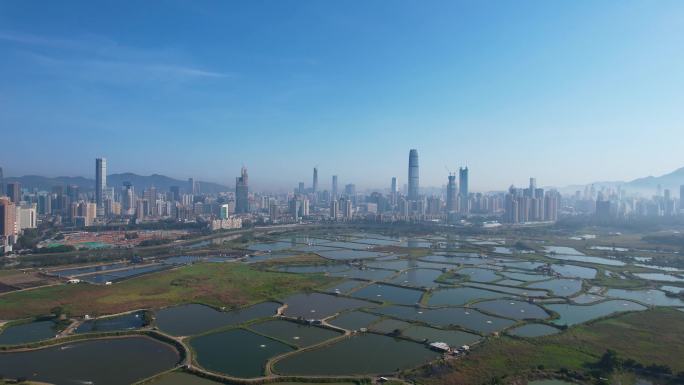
216,284
650,337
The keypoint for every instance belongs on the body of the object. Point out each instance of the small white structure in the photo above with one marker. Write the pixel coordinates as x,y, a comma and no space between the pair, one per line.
74,281
440,346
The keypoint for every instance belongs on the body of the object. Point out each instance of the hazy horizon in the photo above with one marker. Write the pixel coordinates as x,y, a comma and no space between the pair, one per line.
325,182
569,93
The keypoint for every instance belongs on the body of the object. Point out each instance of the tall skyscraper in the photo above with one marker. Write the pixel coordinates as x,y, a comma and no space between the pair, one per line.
44,204
14,192
100,184
193,186
8,220
72,191
347,209
128,203
242,193
150,195
315,180
394,193
334,208
413,178
552,201
175,193
463,189
334,187
304,208
2,183
295,206
451,202
350,190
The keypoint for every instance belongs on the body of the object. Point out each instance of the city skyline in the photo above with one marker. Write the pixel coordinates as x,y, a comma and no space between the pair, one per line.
395,183
558,87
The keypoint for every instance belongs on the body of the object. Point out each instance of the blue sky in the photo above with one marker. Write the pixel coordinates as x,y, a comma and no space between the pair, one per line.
569,92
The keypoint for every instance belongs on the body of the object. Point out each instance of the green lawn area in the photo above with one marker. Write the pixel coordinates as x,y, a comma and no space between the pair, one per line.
218,284
654,336
617,283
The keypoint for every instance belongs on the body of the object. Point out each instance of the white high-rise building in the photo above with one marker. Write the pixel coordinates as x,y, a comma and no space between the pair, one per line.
26,216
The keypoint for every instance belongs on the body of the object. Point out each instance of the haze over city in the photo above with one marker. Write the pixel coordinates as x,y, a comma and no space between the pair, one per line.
570,92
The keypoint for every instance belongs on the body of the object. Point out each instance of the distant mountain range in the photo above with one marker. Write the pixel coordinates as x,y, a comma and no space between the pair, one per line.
161,182
647,185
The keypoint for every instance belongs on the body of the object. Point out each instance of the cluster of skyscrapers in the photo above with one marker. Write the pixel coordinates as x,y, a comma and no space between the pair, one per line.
16,215
531,204
68,206
608,203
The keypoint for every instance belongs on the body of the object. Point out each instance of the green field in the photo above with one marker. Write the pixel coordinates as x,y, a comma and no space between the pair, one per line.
639,336
216,284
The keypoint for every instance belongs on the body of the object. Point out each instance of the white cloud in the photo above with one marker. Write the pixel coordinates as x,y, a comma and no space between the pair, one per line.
96,58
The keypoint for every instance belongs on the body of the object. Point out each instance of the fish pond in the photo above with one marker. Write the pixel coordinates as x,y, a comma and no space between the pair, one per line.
456,260
461,296
470,319
120,275
389,325
397,264
649,297
575,314
533,330
360,354
659,277
354,320
123,322
191,319
450,337
512,309
574,271
343,255
28,332
388,293
588,259
527,277
268,247
345,287
319,306
562,287
367,274
523,292
294,333
417,278
236,352
92,362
